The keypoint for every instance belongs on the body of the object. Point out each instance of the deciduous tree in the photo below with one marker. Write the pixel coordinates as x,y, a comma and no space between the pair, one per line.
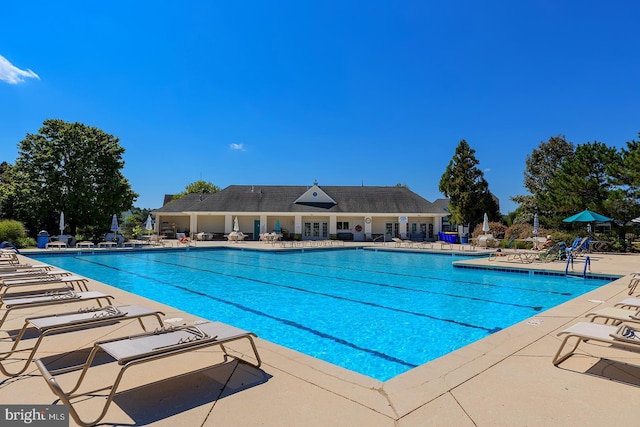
68,167
198,187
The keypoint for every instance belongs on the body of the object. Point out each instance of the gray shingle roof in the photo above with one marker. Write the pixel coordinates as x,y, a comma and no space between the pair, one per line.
271,198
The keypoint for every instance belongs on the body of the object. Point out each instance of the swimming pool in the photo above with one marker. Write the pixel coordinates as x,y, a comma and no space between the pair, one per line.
379,313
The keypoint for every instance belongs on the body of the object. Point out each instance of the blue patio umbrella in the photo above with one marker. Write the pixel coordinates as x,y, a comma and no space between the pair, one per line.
277,229
587,216
536,224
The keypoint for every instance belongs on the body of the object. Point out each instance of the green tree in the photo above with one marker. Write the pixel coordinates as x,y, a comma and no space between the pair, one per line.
133,224
540,166
622,202
468,192
68,167
583,181
198,187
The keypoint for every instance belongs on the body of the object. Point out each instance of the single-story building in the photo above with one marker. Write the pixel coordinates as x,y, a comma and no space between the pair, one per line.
356,213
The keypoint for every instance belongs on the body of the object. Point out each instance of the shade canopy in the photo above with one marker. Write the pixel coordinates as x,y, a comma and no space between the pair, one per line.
587,216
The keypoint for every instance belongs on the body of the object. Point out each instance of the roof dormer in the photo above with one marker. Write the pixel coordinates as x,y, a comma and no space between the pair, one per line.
315,196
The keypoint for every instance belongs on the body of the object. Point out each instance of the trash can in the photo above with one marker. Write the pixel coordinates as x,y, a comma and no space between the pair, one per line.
43,239
464,239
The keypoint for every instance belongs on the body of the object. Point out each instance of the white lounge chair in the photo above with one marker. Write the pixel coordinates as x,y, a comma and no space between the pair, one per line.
138,349
622,336
48,299
66,281
72,321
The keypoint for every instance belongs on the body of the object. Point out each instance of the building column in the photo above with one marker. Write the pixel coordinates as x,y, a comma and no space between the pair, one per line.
228,223
297,225
193,224
263,224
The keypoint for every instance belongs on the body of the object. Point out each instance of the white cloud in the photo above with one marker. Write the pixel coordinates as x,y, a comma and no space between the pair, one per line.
12,74
487,170
238,147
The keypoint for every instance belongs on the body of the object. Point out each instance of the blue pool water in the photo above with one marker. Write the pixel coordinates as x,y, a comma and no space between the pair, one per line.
379,313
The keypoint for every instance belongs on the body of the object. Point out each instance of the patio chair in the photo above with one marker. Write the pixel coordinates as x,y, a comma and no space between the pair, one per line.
402,243
555,252
138,349
183,239
624,337
582,247
31,273
615,315
574,244
73,321
22,267
9,258
69,282
629,303
52,298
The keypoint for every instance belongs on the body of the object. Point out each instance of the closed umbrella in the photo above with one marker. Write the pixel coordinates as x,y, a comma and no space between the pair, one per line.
149,224
277,229
485,224
61,222
114,224
236,227
536,224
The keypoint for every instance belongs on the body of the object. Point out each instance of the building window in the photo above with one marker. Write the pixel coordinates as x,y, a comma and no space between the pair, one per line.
342,225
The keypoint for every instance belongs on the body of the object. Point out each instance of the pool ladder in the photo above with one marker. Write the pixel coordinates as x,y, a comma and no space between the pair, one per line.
587,263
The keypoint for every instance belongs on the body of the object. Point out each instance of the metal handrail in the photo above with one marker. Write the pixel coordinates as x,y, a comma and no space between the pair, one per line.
569,260
587,262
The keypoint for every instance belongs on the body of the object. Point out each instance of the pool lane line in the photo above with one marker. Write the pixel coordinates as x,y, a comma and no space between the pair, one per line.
366,282
368,303
286,322
415,276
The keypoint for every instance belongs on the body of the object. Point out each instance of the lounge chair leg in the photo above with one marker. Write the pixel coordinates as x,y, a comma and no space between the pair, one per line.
559,359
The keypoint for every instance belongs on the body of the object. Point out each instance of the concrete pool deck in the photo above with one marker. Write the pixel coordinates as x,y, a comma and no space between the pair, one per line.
506,379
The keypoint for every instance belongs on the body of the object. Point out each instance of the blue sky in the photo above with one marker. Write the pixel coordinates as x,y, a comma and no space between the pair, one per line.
345,93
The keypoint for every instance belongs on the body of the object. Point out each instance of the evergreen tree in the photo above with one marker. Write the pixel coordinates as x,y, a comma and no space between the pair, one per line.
581,182
468,192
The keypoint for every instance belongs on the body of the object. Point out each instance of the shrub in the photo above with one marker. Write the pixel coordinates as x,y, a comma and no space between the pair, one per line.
497,229
25,242
11,231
